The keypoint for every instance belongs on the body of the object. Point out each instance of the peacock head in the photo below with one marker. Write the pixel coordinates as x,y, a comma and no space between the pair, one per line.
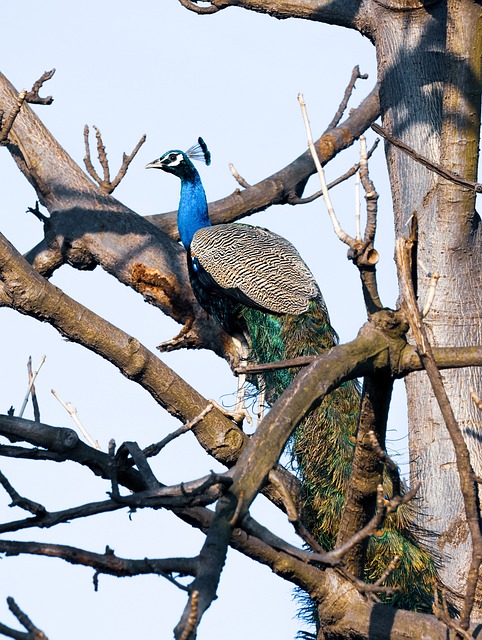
179,162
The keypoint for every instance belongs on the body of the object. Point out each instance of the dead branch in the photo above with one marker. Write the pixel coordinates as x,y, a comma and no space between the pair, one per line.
239,179
107,185
293,199
72,411
107,563
19,501
33,97
433,166
33,632
362,496
362,253
355,75
30,385
216,5
193,618
154,449
331,212
468,484
445,357
31,378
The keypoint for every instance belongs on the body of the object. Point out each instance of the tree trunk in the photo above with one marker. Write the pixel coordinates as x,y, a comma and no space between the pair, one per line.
429,67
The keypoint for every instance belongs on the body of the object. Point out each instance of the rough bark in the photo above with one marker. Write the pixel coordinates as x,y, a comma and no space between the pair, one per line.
429,70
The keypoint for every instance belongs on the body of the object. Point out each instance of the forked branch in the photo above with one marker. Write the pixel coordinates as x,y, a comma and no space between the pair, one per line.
32,631
106,184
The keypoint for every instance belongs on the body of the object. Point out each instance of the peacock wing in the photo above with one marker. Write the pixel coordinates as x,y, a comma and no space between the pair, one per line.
256,267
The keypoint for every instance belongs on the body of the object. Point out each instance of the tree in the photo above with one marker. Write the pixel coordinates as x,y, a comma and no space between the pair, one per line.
430,91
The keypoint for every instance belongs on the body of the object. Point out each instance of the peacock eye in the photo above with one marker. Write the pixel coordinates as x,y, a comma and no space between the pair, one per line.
172,157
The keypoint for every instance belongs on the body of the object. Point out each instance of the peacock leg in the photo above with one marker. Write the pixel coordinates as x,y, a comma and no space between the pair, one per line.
261,399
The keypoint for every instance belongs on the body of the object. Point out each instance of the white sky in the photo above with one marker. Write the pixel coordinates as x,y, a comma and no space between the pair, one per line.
155,68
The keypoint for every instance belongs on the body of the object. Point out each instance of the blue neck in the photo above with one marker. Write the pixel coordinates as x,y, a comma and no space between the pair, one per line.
193,208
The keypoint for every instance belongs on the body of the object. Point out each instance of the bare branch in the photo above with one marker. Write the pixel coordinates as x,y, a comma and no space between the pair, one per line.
72,411
355,75
215,6
36,410
154,449
18,501
107,563
239,179
107,185
33,632
29,390
293,199
445,357
33,97
331,212
433,166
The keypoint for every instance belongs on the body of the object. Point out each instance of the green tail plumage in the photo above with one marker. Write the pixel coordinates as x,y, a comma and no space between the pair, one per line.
322,449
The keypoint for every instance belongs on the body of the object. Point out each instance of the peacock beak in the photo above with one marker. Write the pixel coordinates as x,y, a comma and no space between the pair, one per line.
155,164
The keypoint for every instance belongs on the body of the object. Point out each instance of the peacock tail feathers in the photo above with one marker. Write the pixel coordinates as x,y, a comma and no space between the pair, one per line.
322,449
257,286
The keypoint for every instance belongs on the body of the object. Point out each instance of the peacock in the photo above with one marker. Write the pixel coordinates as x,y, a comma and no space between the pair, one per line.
255,284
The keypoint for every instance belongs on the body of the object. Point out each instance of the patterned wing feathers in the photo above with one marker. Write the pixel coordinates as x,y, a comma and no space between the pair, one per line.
261,266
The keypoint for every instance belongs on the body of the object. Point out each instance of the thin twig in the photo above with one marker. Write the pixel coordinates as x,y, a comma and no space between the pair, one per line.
37,213
107,185
102,155
19,501
72,411
87,158
239,179
292,199
126,160
384,508
331,212
355,75
190,4
443,615
30,385
36,410
154,449
392,565
33,97
432,166
114,482
34,632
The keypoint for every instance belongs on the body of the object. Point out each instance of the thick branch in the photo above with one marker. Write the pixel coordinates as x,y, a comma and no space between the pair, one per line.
445,357
366,474
337,12
107,562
